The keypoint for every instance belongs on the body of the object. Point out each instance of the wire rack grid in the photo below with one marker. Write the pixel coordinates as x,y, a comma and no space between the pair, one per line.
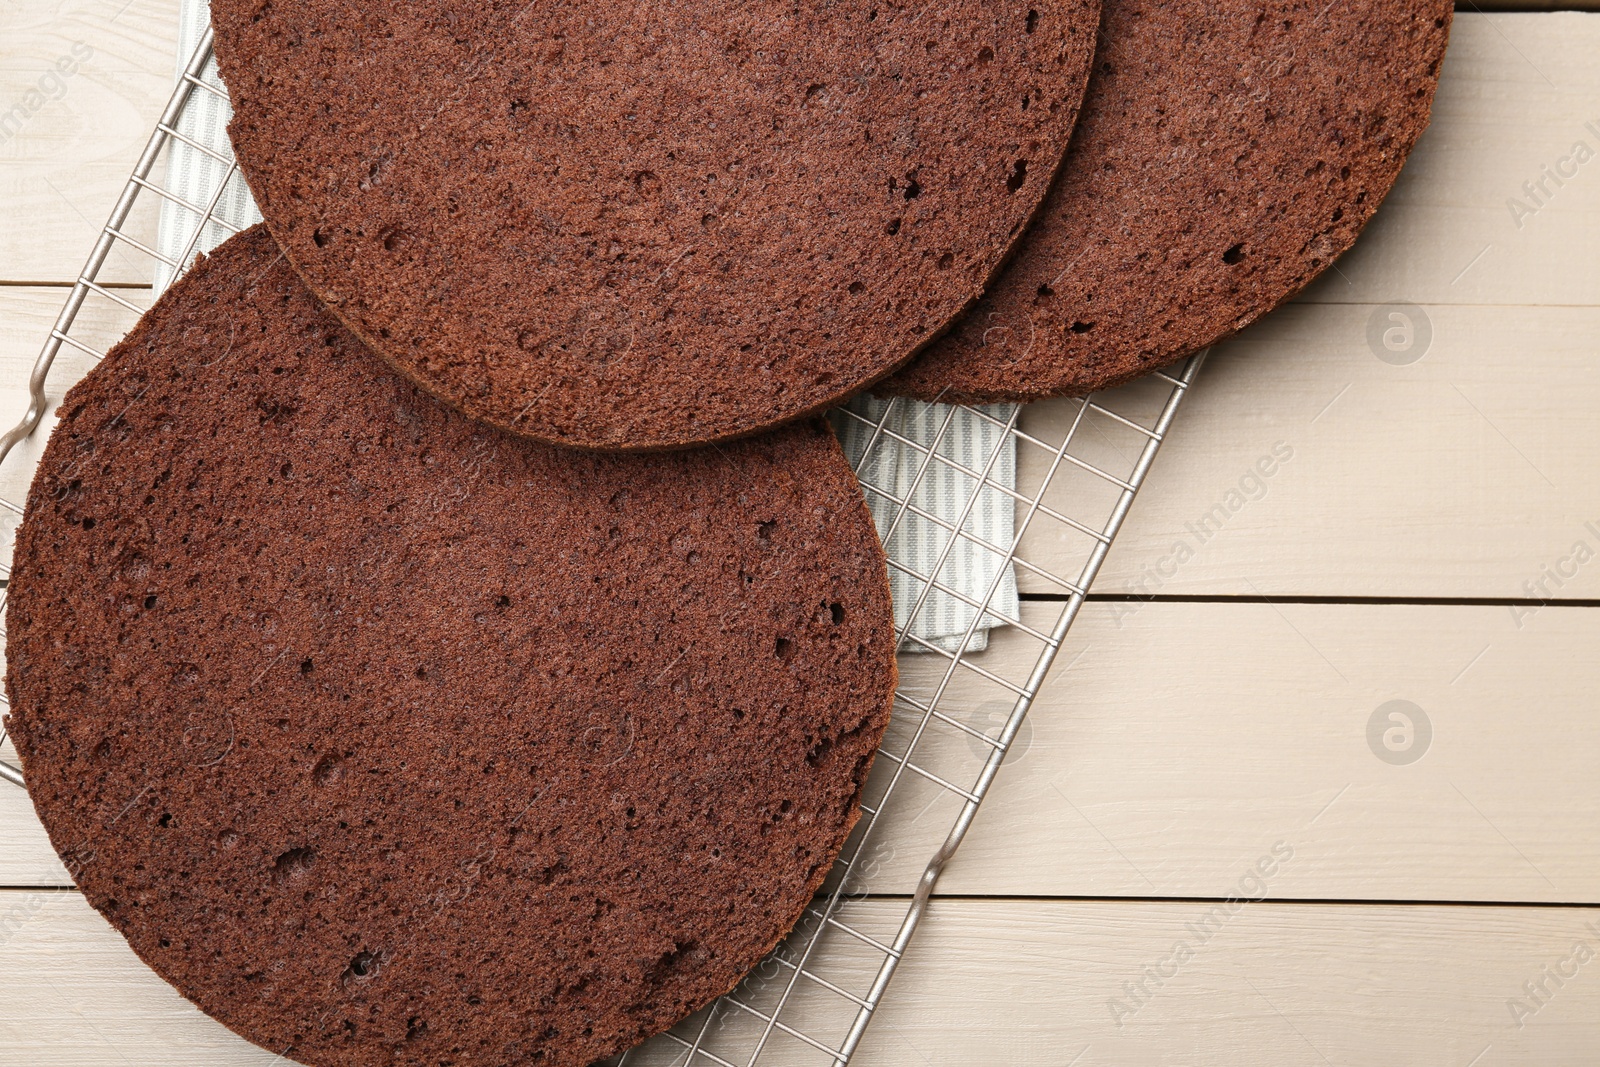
1075,467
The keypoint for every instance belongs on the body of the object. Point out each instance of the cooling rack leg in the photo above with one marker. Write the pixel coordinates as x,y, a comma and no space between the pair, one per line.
969,811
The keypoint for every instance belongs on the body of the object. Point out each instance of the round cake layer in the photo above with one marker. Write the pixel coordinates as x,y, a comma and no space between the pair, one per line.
1227,154
387,737
649,226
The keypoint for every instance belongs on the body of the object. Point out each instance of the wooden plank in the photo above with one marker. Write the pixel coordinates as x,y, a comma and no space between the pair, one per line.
1275,986
1467,472
1179,740
89,998
70,133
1489,495
1517,92
1175,741
1486,496
1503,455
999,982
1304,465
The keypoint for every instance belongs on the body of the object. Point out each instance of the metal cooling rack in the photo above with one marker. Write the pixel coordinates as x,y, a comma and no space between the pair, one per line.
1078,464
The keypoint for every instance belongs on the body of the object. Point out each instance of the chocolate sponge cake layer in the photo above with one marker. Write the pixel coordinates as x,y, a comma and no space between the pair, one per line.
644,226
1227,154
390,738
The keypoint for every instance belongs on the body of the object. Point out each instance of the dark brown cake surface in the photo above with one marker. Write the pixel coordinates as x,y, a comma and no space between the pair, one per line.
1227,153
387,737
628,226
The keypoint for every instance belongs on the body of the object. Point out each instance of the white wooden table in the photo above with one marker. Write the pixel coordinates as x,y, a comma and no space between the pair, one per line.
1430,533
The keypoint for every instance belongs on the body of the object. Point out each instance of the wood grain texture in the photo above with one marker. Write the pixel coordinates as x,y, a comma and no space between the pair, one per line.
1517,92
68,142
1184,739
991,982
1464,474
1275,986
1177,741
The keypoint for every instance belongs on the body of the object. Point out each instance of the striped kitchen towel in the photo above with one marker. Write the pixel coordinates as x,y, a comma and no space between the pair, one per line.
929,471
195,171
